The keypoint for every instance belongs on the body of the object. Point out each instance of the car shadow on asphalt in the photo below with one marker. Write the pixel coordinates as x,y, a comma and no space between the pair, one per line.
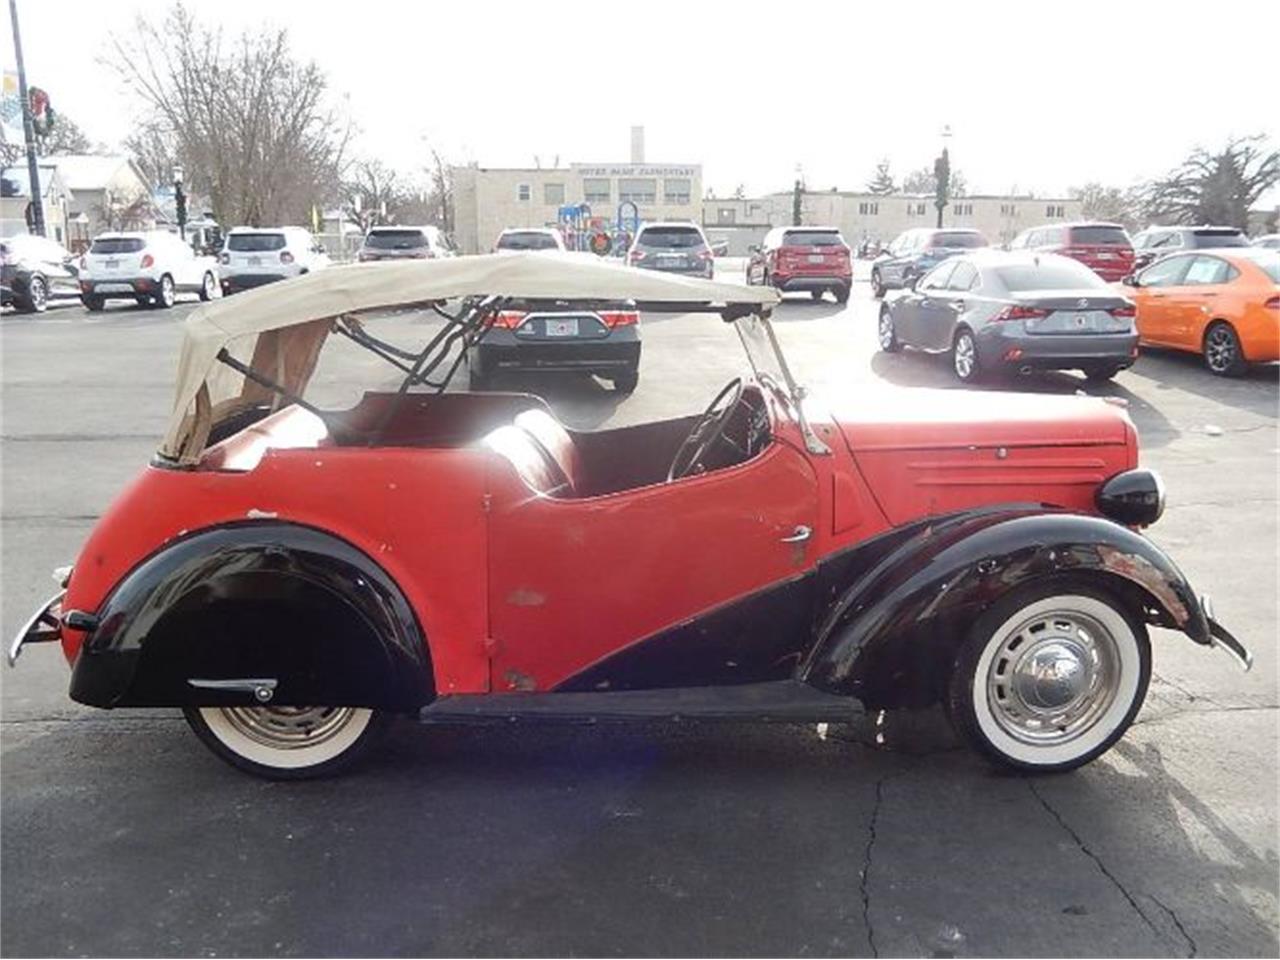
795,309
913,368
1256,391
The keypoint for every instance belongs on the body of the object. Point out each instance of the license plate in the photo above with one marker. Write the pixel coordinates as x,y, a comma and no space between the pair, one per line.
255,261
113,288
1106,256
562,328
112,264
816,258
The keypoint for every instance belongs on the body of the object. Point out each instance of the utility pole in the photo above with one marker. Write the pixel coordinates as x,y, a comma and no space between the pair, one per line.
942,176
796,201
28,130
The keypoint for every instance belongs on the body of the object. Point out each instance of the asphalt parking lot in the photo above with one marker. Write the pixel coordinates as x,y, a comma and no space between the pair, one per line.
122,836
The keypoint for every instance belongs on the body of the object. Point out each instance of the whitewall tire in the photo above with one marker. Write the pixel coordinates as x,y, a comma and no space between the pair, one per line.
286,743
1050,676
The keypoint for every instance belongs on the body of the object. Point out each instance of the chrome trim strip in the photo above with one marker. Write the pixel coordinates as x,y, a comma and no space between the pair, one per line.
262,688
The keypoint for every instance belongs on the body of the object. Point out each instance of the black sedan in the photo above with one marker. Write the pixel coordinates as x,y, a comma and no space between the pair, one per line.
550,336
1006,312
35,270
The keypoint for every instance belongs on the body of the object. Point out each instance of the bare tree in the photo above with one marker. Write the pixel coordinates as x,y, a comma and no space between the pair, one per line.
881,182
441,198
374,194
1215,187
125,211
926,182
250,123
153,147
64,137
1112,204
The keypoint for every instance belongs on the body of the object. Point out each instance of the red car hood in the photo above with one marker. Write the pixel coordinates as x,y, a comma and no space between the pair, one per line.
925,452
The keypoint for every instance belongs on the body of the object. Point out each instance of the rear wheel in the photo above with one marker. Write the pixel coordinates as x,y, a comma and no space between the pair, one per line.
886,333
964,356
286,743
1223,354
626,382
1050,676
37,298
164,299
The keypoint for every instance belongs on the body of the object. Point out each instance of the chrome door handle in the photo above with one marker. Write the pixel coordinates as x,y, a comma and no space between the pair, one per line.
799,535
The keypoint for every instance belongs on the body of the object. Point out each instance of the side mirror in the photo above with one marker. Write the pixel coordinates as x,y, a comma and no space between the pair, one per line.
754,248
1131,280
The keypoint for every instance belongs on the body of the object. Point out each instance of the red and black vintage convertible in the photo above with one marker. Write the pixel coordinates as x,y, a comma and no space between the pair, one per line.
291,576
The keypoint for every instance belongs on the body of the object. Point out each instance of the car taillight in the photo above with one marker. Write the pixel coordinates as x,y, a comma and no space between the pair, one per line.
1019,312
148,261
1273,303
509,319
1127,312
224,257
704,254
286,256
619,318
636,256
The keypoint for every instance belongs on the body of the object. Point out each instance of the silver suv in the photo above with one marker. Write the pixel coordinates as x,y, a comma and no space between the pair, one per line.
672,248
404,243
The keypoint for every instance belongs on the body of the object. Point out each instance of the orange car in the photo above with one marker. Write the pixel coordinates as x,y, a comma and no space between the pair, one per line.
1223,304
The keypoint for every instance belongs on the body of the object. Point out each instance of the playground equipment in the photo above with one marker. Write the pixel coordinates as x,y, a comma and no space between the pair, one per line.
584,231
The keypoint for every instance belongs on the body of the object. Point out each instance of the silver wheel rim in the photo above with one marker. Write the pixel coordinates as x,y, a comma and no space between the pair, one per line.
38,293
166,291
208,286
1220,348
1053,676
965,356
886,331
289,728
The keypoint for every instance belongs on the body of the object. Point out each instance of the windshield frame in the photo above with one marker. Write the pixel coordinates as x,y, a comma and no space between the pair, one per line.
769,368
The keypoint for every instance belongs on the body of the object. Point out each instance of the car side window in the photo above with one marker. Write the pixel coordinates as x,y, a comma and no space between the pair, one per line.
936,279
965,277
1165,273
1208,270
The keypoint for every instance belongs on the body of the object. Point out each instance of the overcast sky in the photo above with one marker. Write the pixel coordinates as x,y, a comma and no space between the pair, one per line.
1039,96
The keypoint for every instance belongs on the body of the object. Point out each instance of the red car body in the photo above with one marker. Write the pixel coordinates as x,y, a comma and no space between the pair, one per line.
286,574
1105,248
807,259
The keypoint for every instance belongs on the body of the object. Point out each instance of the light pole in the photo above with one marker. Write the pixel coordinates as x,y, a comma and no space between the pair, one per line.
180,203
28,129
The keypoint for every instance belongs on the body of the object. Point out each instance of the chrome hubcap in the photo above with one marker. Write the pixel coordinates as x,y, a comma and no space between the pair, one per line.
1220,350
289,728
964,356
886,330
37,292
1053,677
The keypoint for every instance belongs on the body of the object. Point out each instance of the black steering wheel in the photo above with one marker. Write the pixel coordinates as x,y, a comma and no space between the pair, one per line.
706,431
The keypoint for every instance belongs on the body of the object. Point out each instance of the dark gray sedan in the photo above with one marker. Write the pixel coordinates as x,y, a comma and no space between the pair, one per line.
1014,312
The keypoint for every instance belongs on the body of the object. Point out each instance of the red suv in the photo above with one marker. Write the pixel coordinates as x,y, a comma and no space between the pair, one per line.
1104,248
815,259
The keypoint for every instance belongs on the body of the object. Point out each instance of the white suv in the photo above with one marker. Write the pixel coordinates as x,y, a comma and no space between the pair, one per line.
147,267
522,239
253,256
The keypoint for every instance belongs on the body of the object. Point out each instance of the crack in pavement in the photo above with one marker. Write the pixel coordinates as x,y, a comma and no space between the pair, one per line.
863,884
1184,691
1191,943
1102,867
1221,708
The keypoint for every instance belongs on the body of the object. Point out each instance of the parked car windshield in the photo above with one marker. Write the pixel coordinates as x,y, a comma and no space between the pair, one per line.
1219,238
395,239
672,238
255,242
117,245
1100,236
1046,275
955,240
812,238
527,240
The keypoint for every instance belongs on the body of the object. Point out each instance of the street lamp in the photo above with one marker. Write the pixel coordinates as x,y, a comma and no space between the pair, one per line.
180,203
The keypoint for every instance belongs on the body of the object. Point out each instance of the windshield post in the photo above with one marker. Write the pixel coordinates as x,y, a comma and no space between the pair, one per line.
795,393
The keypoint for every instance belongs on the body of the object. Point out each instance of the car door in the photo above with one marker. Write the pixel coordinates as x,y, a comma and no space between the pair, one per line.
925,306
1195,300
574,581
186,270
947,305
1155,298
891,269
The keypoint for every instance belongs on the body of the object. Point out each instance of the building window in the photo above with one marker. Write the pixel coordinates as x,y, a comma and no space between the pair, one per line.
553,194
677,191
637,190
917,209
1055,210
1008,210
596,190
726,215
962,209
522,191
869,209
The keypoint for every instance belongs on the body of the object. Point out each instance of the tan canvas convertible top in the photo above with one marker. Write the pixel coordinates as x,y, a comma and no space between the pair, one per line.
279,329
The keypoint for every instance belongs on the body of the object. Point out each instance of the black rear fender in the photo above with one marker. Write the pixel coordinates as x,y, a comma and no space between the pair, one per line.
891,632
265,601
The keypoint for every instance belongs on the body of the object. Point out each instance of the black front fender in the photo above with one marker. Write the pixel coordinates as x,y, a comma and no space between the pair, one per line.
267,601
892,631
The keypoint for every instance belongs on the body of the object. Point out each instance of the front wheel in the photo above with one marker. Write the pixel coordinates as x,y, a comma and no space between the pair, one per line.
877,285
1050,676
208,287
1101,374
167,295
964,357
886,333
816,294
842,294
92,303
286,743
37,298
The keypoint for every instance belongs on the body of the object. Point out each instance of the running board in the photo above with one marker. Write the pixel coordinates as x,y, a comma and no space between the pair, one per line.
780,701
